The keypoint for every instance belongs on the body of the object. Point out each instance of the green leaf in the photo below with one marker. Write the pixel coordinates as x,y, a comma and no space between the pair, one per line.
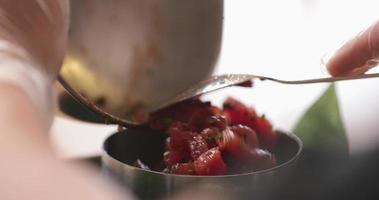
321,126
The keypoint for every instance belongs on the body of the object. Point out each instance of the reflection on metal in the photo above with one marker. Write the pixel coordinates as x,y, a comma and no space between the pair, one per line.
217,82
106,117
69,107
140,52
123,149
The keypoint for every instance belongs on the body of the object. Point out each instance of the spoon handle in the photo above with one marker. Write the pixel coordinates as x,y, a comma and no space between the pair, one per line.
323,80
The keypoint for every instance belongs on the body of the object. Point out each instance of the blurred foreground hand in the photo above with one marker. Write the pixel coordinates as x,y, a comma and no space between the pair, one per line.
33,37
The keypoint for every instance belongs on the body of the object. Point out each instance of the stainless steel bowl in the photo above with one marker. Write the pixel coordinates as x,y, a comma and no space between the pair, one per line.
122,149
128,53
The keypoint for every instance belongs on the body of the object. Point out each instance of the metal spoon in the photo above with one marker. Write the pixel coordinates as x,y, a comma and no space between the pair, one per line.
211,84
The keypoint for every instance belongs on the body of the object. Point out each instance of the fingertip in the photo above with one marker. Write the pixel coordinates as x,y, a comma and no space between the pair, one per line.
351,57
333,72
337,66
357,55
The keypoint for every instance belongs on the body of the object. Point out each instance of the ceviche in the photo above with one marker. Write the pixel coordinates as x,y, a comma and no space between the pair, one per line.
206,140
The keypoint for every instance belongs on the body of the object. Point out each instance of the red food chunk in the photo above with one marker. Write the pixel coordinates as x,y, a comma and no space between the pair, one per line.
226,139
208,117
172,157
202,137
234,145
197,146
210,163
238,113
247,135
179,134
246,84
267,136
181,112
183,169
261,159
210,135
219,121
176,127
255,160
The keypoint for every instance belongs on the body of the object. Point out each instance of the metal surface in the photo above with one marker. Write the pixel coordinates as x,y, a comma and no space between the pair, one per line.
122,149
106,117
217,82
128,53
208,85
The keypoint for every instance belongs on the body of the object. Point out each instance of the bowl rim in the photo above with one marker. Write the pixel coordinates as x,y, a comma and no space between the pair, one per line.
106,155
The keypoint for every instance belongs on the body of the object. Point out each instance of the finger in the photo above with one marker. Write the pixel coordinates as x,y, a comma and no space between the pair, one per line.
357,55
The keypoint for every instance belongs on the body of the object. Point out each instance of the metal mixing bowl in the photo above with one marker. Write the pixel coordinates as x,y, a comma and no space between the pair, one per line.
122,149
124,54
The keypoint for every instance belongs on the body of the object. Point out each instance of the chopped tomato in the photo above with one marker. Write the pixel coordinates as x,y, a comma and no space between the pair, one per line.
247,135
210,163
210,135
234,145
246,84
179,134
267,136
238,114
208,117
172,157
197,146
203,138
181,112
227,139
262,159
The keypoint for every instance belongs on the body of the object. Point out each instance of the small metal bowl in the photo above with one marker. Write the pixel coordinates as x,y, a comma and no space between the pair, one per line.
121,150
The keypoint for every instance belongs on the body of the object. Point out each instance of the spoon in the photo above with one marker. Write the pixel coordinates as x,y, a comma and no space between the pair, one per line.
211,84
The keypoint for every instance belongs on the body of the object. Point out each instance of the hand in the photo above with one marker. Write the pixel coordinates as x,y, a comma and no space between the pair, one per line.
37,31
357,55
33,36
